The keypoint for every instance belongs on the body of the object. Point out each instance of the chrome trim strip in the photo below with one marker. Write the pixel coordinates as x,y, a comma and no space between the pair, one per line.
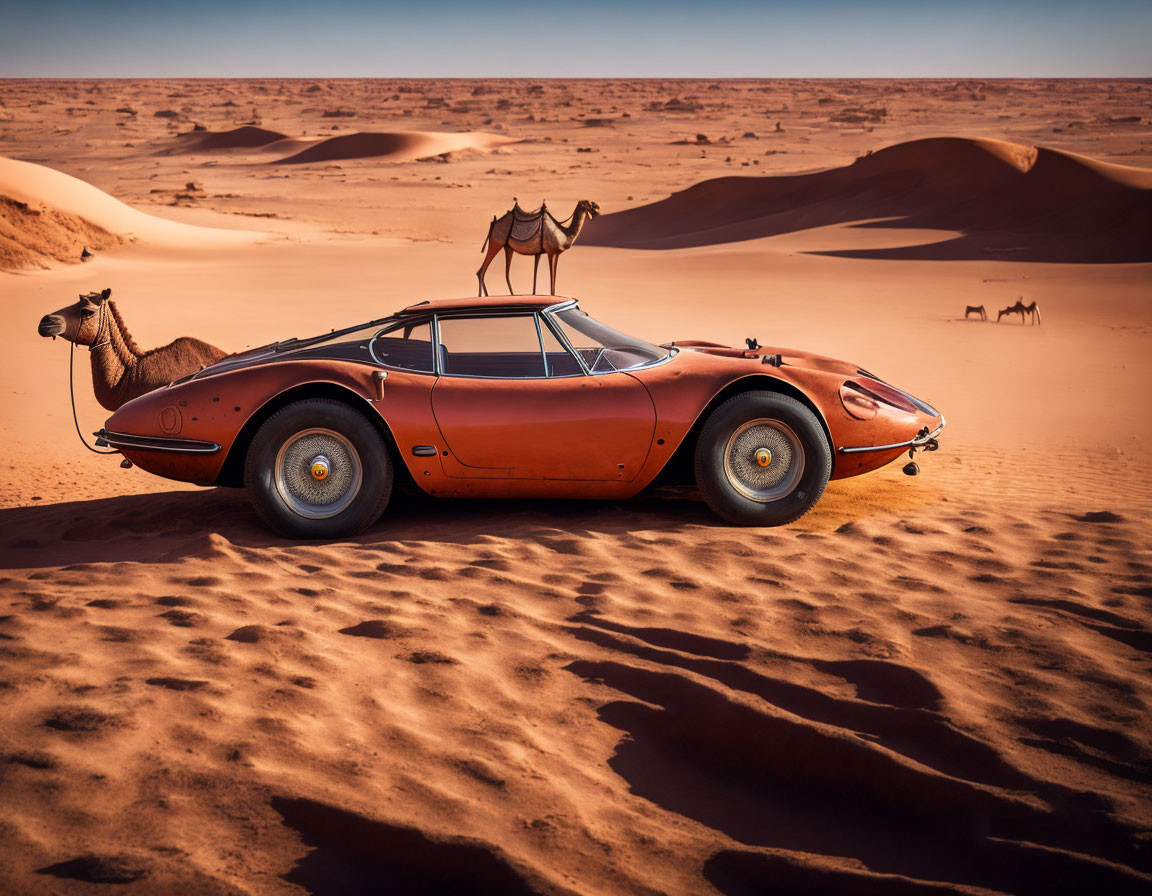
559,333
436,365
540,339
386,330
157,443
554,326
911,443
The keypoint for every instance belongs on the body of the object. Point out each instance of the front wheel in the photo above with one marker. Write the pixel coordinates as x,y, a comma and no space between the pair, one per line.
762,459
318,469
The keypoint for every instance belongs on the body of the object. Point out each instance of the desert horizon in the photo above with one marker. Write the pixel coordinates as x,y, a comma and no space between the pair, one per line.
928,684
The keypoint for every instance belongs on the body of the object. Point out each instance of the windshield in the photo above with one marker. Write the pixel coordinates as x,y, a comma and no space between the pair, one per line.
602,348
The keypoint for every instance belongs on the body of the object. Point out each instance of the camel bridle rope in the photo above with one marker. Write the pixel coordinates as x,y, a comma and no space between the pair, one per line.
100,324
71,377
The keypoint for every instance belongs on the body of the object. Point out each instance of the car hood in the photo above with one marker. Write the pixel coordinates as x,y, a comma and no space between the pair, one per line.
789,356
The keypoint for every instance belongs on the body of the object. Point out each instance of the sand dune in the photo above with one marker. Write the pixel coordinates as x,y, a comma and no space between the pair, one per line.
246,137
74,206
34,237
396,146
1025,203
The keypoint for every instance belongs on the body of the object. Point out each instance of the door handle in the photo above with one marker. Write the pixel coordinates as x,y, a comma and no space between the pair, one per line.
378,378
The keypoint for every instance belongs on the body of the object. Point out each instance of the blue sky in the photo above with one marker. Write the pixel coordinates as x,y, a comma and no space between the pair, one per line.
594,38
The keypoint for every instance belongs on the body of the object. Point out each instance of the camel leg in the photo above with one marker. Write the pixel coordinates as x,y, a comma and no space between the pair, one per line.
508,269
552,260
493,248
535,268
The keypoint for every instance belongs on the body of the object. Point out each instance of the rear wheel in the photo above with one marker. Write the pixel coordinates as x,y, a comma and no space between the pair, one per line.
762,459
318,469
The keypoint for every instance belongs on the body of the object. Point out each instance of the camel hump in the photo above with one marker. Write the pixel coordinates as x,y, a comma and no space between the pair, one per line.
200,344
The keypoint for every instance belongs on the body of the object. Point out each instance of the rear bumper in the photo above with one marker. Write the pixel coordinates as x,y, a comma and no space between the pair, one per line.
923,439
154,443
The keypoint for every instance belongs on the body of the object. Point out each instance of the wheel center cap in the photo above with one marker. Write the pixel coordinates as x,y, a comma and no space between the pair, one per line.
763,456
320,468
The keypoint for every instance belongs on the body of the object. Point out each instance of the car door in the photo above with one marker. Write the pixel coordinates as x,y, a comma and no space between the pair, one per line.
512,402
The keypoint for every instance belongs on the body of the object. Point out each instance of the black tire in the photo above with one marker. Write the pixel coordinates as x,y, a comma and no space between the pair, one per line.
740,441
299,490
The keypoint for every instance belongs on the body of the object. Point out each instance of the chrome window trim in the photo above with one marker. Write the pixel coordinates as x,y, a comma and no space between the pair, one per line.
538,315
559,334
395,326
554,325
540,340
484,313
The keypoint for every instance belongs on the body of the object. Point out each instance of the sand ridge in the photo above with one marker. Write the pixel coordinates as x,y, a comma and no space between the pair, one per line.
1029,203
394,146
76,207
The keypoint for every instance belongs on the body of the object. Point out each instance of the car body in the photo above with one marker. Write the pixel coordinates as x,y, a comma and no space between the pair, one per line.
514,397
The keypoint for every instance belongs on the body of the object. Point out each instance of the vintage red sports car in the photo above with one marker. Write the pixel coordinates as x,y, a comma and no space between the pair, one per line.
516,397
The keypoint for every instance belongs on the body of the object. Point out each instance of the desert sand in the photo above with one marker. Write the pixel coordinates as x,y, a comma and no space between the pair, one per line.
928,685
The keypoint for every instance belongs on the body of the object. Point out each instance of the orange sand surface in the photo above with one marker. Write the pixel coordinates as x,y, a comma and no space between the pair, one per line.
929,685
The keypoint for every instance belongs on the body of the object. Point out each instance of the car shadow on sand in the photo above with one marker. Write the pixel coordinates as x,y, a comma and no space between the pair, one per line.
170,526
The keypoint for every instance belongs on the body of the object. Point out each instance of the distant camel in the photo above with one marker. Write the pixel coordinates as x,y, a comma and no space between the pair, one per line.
1032,310
120,370
975,309
533,233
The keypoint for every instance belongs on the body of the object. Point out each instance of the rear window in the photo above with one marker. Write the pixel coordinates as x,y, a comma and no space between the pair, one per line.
406,347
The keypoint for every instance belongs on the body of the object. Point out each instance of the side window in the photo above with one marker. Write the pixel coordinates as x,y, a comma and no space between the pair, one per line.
560,360
497,346
408,347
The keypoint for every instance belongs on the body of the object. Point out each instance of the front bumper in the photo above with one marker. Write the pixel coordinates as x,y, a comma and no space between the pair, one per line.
154,443
923,439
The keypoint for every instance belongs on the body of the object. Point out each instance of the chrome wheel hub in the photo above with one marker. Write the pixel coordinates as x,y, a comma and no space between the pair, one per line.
318,473
764,460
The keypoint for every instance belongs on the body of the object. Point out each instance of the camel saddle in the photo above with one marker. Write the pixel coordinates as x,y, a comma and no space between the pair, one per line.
526,225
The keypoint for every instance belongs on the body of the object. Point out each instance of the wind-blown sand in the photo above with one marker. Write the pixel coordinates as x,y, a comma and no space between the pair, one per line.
929,685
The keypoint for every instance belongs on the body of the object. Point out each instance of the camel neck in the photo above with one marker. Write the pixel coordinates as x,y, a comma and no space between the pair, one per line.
113,358
573,230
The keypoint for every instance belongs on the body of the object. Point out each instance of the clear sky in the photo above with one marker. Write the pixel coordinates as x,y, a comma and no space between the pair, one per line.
578,38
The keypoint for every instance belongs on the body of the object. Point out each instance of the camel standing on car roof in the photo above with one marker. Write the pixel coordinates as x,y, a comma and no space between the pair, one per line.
120,369
533,233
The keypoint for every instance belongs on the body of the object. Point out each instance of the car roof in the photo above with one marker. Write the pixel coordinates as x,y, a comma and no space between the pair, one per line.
487,303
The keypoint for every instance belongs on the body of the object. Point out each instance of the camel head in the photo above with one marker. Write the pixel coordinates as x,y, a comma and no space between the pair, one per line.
79,322
589,207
